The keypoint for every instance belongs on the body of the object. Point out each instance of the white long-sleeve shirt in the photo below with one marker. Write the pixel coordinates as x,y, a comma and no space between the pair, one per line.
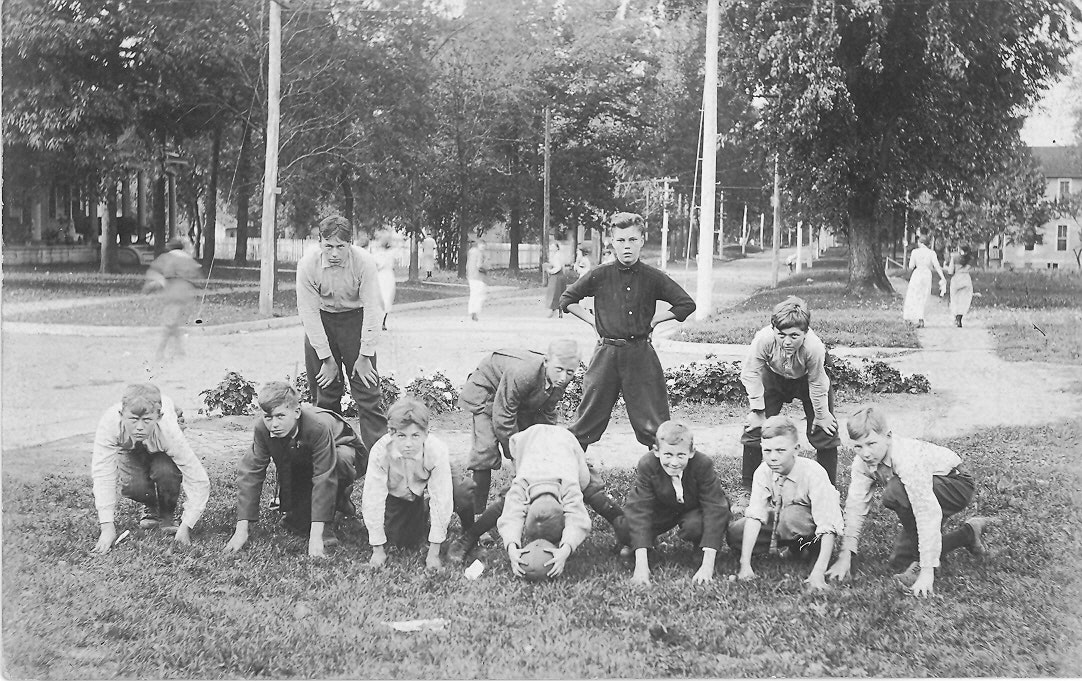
112,442
915,463
391,473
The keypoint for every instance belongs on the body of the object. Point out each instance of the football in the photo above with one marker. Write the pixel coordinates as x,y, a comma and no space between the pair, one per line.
534,557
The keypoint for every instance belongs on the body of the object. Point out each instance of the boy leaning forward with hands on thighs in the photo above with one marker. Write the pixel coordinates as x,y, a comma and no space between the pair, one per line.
923,483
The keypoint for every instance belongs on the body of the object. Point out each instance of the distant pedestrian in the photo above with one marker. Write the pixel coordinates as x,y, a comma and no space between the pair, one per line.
922,260
476,268
338,299
383,251
558,282
626,294
139,441
428,255
961,288
177,275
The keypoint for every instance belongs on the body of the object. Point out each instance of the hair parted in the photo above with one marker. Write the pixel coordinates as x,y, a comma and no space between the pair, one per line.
674,433
625,220
779,426
407,411
277,394
141,398
866,419
335,227
789,313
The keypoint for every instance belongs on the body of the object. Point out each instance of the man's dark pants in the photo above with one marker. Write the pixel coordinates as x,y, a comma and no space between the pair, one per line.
664,519
344,336
954,491
777,391
632,369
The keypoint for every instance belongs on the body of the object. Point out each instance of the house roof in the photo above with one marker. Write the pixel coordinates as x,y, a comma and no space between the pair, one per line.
1058,161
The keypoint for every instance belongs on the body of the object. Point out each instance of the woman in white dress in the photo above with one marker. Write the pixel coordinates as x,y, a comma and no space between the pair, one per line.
922,260
961,265
383,252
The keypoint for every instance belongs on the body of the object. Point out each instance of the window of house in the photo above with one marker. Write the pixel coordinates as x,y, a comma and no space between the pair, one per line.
1061,238
1064,188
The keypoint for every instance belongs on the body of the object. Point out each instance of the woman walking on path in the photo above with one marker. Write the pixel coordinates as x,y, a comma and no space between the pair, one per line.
921,261
558,281
961,265
383,252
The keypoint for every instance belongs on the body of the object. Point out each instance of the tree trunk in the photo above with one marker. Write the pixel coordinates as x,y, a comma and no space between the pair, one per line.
108,232
347,195
159,214
240,257
210,227
514,228
865,262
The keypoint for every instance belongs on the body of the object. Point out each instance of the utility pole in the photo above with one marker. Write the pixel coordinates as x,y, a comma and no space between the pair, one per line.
744,232
799,246
665,223
704,280
545,217
270,171
775,266
762,227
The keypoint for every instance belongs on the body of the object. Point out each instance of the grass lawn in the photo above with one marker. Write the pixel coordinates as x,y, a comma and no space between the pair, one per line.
1032,315
837,318
149,609
222,308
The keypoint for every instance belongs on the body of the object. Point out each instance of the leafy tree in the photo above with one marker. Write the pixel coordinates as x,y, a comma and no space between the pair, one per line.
866,99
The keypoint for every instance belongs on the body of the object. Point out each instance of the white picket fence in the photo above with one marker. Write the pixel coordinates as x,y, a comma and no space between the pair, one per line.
290,251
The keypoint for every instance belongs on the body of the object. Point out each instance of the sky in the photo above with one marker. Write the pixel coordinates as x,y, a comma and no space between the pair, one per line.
1052,121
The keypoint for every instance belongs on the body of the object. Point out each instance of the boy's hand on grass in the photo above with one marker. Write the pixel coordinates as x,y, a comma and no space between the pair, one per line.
840,569
828,424
816,582
703,575
746,574
239,538
923,586
106,538
365,371
183,535
379,557
432,560
316,548
559,559
640,577
327,373
514,554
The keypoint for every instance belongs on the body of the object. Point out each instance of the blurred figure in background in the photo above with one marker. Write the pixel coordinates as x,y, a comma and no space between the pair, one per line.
176,275
960,266
383,247
428,255
475,276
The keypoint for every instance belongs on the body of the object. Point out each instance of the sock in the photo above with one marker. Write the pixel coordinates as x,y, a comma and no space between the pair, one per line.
483,480
753,456
828,459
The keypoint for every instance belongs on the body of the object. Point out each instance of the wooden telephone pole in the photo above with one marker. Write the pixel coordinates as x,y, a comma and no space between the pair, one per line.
270,171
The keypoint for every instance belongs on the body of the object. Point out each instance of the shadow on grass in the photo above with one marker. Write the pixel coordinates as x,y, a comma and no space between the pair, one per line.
149,609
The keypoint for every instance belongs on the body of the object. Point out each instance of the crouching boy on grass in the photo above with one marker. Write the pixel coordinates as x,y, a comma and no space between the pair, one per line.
409,491
794,511
675,485
545,498
139,441
317,455
923,483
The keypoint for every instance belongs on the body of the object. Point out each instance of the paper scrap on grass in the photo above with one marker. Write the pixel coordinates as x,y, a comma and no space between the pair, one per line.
474,570
438,624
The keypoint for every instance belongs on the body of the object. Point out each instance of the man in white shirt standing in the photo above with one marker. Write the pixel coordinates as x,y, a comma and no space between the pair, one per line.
340,306
140,442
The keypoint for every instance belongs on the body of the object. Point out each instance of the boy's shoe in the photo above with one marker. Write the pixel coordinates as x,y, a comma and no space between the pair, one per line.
908,578
149,520
461,548
979,524
627,556
330,539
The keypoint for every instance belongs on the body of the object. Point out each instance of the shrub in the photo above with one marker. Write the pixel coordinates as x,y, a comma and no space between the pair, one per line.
573,393
436,391
388,388
234,396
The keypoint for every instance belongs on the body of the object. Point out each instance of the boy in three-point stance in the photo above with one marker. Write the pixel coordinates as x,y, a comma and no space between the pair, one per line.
317,455
140,442
923,483
675,485
545,499
794,510
786,362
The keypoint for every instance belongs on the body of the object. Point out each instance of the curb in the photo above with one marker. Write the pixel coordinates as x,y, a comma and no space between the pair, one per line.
740,351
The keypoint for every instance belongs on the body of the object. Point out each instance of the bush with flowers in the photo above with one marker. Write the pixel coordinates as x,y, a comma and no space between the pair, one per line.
437,391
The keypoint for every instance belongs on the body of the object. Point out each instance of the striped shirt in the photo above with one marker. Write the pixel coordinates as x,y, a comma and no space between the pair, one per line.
915,463
806,485
408,478
339,288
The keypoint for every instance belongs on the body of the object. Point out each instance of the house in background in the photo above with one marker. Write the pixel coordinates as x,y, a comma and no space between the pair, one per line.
1060,238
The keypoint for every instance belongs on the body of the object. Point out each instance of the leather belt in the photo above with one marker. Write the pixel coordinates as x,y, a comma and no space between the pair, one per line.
621,342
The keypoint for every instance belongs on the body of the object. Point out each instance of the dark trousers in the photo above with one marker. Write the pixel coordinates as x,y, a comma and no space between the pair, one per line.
633,370
664,519
295,490
344,335
777,391
151,478
954,492
796,531
406,523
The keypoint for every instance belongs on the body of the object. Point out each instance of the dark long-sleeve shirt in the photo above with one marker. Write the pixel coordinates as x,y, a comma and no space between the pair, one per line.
625,298
510,383
313,445
653,491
